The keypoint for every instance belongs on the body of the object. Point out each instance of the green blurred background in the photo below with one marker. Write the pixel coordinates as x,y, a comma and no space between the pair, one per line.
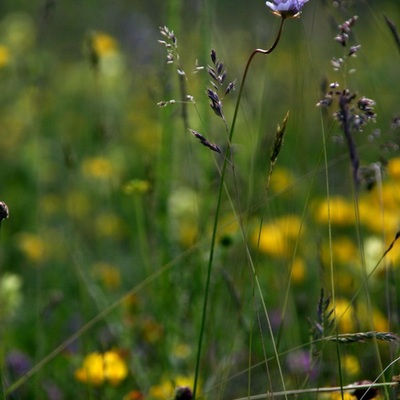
105,187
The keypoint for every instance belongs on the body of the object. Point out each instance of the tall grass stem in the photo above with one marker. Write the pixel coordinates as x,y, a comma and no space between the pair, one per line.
218,206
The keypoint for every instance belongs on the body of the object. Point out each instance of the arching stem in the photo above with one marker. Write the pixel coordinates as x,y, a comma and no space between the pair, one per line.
219,200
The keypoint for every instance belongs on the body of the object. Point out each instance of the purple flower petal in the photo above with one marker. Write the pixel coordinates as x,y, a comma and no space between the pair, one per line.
286,8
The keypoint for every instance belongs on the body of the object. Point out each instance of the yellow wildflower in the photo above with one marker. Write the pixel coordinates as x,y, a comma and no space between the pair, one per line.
165,390
281,180
336,210
376,322
229,225
350,365
109,225
275,237
136,186
98,168
109,275
19,31
393,168
188,232
104,44
98,368
298,270
338,396
349,317
344,250
348,396
344,314
32,246
4,56
379,211
181,351
390,196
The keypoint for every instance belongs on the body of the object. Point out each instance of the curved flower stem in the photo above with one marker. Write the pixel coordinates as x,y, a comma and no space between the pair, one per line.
246,70
219,200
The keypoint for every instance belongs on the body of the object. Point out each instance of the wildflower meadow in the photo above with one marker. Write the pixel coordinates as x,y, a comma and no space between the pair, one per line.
200,200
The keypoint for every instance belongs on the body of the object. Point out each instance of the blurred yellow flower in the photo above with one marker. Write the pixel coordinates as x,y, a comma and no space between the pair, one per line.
350,365
4,56
336,210
344,315
99,168
298,270
136,186
165,390
109,225
276,237
350,318
393,168
105,56
104,44
379,209
19,31
348,396
32,246
281,179
390,197
188,232
99,368
109,275
373,319
228,226
338,396
181,351
344,250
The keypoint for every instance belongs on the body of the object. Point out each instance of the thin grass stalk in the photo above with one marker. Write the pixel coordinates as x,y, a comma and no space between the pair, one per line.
276,149
364,271
331,267
141,232
252,310
298,392
218,206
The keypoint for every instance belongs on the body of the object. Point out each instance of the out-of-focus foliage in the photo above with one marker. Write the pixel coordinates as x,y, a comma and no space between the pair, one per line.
111,199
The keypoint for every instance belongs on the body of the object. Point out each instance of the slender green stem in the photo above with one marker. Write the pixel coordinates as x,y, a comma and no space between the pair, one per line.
246,70
298,392
219,200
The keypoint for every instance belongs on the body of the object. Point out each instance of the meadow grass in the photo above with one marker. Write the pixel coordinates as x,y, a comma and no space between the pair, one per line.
239,240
